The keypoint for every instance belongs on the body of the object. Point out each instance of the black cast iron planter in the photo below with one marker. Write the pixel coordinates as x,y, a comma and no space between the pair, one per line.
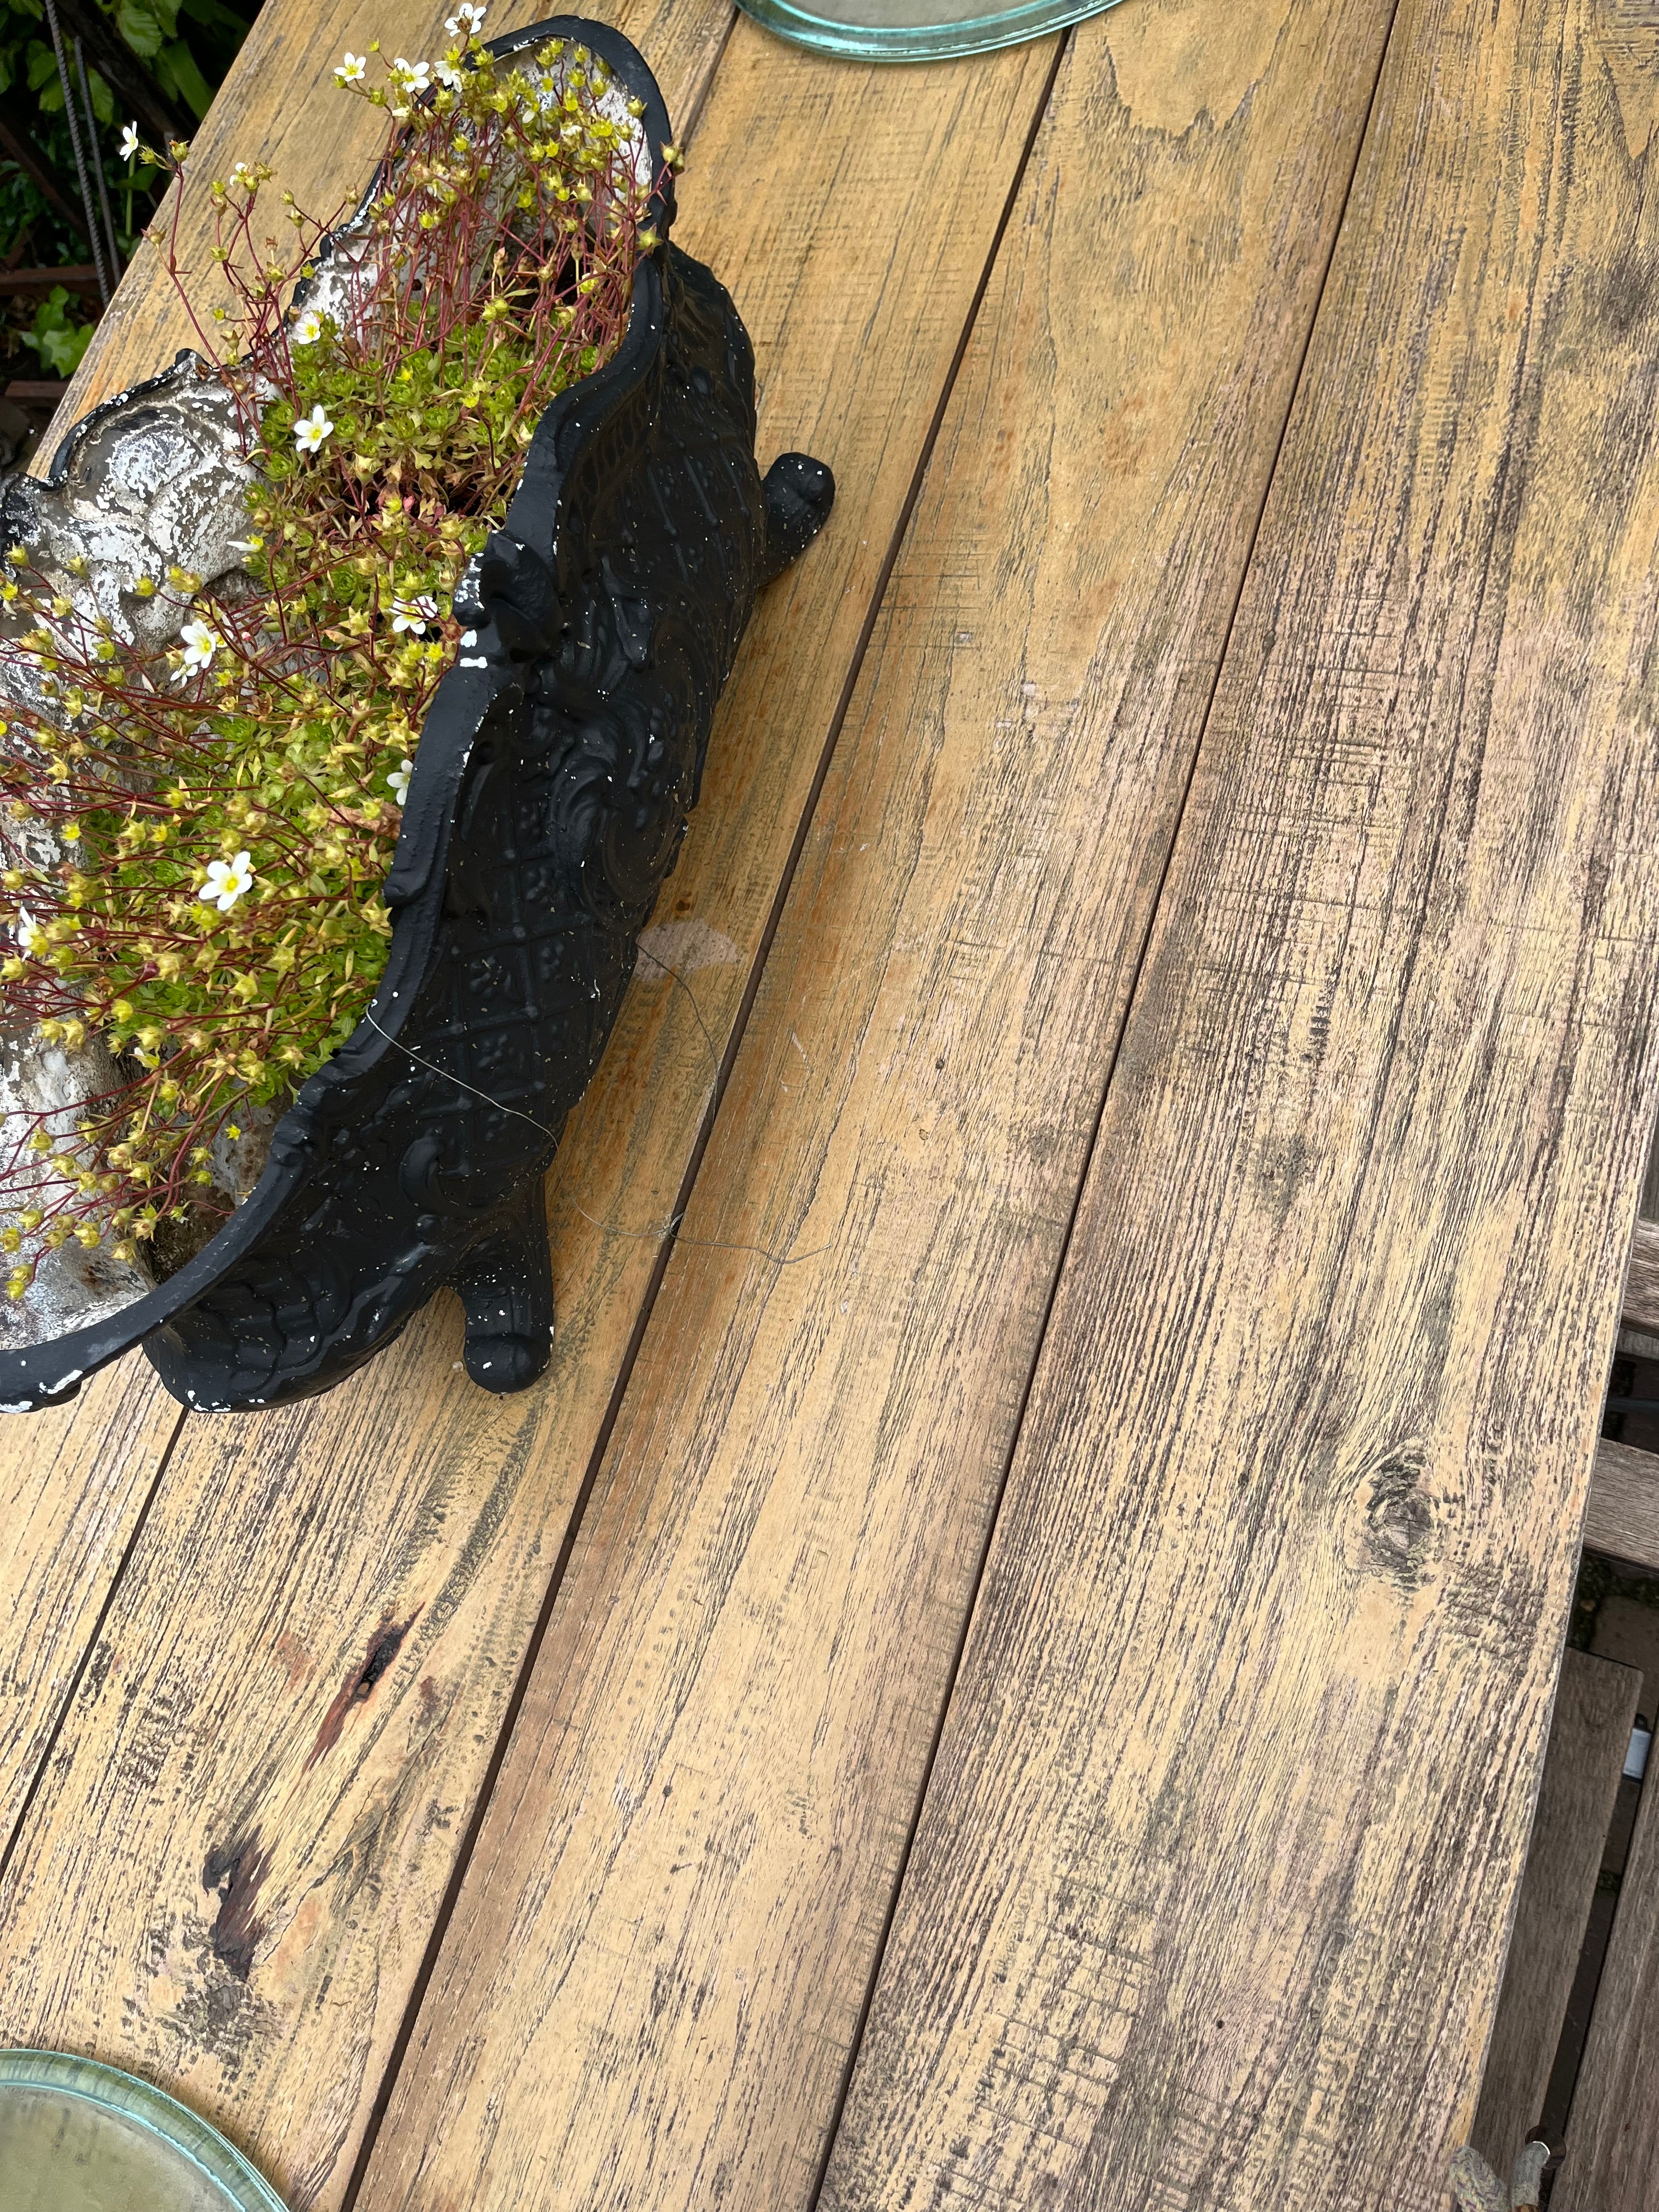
557,765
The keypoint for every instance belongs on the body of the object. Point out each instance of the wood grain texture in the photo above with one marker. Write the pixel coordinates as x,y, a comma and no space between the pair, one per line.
279,104
1596,1707
1612,2129
73,1482
229,1880
1209,1895
651,1985
1622,1516
1641,1279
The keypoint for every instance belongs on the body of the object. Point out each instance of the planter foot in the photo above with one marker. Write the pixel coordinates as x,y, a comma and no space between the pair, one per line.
505,1288
559,758
798,493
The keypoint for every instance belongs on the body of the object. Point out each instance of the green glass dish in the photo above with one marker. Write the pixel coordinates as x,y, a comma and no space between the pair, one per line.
916,30
76,2136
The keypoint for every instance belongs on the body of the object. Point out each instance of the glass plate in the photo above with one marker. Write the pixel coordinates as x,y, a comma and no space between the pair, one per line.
76,2136
916,30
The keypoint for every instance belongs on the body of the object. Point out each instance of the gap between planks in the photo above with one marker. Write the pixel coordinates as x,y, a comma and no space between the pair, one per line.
653,1981
671,1241
303,1676
1596,1706
77,1481
1208,1899
1613,2133
748,996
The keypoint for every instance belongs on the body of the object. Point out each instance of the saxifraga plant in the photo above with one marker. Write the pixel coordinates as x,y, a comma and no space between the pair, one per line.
195,838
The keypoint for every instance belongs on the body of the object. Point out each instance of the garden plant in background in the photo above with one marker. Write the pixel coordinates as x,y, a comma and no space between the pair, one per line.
61,128
195,832
58,334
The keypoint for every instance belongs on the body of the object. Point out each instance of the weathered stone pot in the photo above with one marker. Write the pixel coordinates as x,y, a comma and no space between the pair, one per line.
556,769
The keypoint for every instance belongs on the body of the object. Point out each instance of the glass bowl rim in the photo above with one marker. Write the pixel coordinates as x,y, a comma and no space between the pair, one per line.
973,34
112,2090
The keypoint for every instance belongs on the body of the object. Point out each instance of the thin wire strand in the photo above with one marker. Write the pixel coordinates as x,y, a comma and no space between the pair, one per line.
432,1066
657,1231
672,1228
675,977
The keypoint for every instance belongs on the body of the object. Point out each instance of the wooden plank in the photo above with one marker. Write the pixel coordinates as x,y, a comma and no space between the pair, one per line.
1590,1738
652,1982
229,1878
1208,1899
1622,1516
34,283
1642,1279
72,1494
73,1482
1613,2129
278,104
70,1504
1647,1207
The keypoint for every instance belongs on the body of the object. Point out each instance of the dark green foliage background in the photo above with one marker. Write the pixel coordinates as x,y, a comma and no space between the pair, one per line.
187,44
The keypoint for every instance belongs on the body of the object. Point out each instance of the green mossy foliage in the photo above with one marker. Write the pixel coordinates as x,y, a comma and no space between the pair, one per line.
228,810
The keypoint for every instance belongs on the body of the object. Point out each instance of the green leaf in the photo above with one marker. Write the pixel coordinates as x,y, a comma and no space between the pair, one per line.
176,72
139,22
103,100
214,15
59,341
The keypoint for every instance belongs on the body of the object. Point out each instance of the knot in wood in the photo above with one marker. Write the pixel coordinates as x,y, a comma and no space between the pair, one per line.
1401,1536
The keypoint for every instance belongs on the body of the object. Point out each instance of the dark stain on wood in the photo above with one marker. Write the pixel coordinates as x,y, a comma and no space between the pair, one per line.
359,1685
236,1871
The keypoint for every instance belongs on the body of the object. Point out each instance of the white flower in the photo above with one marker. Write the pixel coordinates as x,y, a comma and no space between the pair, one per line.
310,430
130,143
413,76
31,938
398,780
450,76
414,615
308,329
351,68
227,881
466,17
200,644
242,175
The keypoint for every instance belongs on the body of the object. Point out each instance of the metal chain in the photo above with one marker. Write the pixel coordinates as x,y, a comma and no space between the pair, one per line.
91,212
97,164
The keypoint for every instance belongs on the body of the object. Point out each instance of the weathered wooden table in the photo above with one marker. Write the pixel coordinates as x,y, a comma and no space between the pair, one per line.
1007,1665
